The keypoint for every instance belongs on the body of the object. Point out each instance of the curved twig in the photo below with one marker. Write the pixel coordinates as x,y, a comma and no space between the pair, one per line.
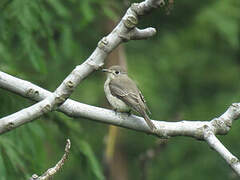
52,171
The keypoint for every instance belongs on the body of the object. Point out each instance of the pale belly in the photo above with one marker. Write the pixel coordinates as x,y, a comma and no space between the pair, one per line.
116,103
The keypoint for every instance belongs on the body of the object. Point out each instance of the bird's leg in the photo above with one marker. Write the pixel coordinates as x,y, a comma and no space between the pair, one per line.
129,112
115,110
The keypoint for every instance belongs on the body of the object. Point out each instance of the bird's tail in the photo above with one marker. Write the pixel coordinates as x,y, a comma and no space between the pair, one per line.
149,122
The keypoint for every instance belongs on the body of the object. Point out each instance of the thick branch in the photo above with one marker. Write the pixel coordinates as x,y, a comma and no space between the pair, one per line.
196,129
95,61
72,108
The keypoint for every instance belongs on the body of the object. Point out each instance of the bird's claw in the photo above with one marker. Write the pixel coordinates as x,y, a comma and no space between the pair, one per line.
115,110
129,113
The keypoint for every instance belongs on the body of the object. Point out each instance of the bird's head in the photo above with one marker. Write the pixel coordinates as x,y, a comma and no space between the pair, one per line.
115,71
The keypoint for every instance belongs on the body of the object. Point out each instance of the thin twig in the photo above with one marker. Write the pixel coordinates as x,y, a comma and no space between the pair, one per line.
52,171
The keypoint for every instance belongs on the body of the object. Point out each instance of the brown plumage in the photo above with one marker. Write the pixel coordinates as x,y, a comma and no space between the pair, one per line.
125,89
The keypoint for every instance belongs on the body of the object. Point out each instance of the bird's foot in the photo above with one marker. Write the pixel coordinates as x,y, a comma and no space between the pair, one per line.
154,130
129,113
115,110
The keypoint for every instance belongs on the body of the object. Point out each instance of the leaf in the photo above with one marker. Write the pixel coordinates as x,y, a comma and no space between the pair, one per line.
87,11
2,167
85,148
59,8
67,41
11,154
110,13
33,51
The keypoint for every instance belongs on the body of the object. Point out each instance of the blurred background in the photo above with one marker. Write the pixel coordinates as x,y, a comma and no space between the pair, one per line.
189,70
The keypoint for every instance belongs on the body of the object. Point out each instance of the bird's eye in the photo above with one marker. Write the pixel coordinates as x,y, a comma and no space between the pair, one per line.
117,72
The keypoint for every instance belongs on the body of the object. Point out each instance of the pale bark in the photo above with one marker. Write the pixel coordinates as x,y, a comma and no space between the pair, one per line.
52,171
124,31
201,130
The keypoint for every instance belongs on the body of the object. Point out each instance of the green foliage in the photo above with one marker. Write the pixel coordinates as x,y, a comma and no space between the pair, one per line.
189,70
92,161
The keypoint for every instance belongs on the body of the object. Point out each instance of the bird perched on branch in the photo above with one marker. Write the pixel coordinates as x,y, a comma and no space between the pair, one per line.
123,94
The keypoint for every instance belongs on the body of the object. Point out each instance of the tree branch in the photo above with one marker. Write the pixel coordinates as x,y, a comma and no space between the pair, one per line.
94,62
52,171
215,144
124,31
196,129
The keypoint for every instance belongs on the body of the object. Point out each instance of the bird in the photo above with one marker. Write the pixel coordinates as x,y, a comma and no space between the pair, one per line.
123,94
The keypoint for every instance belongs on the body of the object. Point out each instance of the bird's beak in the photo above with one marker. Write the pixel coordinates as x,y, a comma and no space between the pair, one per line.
106,70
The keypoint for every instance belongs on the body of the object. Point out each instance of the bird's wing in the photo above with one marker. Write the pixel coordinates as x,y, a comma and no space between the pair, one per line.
145,102
128,94
131,95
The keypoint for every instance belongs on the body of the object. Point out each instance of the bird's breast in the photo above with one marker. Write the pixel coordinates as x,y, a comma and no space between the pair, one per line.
115,102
